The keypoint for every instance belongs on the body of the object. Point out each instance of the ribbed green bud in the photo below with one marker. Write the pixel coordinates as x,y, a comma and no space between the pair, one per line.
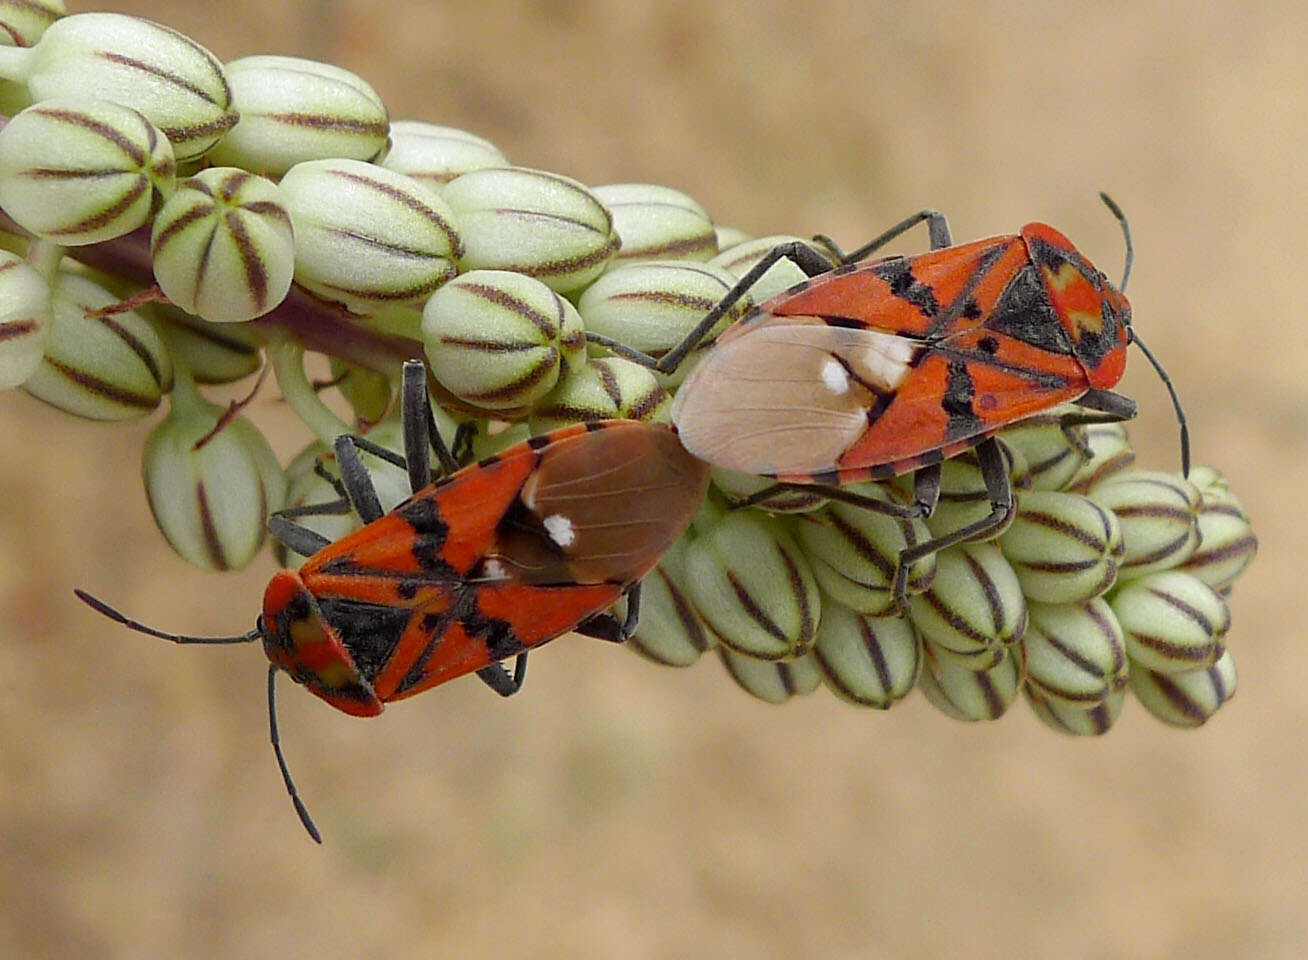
606,389
1157,513
974,608
652,306
542,224
658,223
670,632
1050,459
1110,453
367,391
854,553
212,352
293,110
1063,547
500,341
23,21
1075,653
963,495
966,694
223,246
366,235
1227,543
210,492
752,585
738,486
24,319
1188,698
102,368
1092,722
175,82
729,237
436,155
77,170
486,444
738,261
1172,621
771,681
866,661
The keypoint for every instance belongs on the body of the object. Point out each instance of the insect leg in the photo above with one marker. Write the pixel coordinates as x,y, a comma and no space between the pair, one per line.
301,539
801,254
1110,407
354,475
926,491
937,231
420,433
605,626
499,680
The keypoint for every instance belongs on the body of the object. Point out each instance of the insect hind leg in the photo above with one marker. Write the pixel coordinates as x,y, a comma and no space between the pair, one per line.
938,235
501,681
605,626
926,493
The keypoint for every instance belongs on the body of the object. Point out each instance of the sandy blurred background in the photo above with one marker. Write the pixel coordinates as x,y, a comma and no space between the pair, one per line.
617,809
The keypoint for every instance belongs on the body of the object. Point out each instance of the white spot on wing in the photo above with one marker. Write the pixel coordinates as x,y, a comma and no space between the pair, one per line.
494,570
560,529
835,377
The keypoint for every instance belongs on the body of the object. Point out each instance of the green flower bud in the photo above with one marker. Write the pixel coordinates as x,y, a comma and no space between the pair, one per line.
175,82
1172,621
223,246
210,491
652,306
436,155
113,367
294,110
854,553
212,352
486,444
23,21
743,256
729,237
1226,539
77,170
670,632
1157,513
499,341
1110,452
544,225
366,235
24,319
1187,698
1092,722
974,607
1050,459
752,586
367,391
738,486
606,389
963,495
970,695
1063,547
770,681
658,223
1075,654
866,661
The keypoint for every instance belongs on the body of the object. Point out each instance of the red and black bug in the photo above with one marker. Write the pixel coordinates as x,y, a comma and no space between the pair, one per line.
878,367
486,564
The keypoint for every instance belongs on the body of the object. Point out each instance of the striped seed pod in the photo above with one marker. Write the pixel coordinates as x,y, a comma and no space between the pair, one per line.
1110,453
738,261
1063,547
500,341
658,223
1157,513
605,389
23,21
223,246
854,553
211,352
365,235
1092,722
1075,654
1187,698
1172,621
652,306
771,682
178,84
964,498
76,170
737,486
24,319
1226,539
751,584
112,367
974,609
866,661
542,224
293,110
1043,443
670,632
729,237
970,695
435,155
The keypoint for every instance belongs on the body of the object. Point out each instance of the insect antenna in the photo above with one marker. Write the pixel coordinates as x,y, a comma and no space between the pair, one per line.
1132,336
101,607
300,808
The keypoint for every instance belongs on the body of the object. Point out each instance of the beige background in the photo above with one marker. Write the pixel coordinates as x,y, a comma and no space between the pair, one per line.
616,809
